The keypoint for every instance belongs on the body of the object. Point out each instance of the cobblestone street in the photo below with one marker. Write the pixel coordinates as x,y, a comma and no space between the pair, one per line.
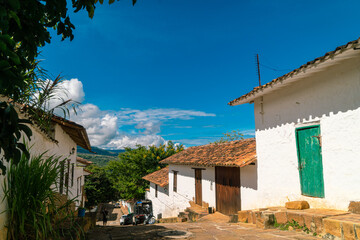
196,230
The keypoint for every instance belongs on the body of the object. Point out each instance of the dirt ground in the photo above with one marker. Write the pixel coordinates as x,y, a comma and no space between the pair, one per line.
207,228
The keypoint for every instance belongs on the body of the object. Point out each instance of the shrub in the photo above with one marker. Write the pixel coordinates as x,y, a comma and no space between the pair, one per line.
32,205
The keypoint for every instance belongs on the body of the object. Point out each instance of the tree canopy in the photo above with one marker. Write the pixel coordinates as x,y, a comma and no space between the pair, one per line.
24,28
98,187
230,136
126,173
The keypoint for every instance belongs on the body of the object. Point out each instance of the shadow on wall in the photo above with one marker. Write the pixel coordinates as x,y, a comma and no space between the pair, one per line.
249,177
190,172
164,190
323,94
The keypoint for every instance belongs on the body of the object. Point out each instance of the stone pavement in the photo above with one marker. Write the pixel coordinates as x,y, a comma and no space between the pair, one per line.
202,230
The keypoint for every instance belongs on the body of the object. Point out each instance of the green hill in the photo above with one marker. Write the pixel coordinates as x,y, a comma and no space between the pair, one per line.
100,156
100,151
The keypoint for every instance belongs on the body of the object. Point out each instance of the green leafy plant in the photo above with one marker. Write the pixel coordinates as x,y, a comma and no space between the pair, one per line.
294,224
34,210
10,133
230,136
126,173
98,187
25,27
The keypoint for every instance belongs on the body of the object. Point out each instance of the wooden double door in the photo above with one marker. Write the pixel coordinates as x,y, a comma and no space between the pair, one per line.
227,180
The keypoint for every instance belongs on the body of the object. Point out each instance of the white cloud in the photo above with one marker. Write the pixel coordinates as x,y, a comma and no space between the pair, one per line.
67,89
106,128
249,132
74,89
131,141
152,119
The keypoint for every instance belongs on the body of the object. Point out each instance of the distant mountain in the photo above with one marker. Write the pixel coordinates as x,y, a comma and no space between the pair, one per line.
100,156
100,151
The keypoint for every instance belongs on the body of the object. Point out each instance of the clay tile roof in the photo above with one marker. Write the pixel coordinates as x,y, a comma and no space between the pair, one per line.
328,55
83,161
230,154
76,131
160,177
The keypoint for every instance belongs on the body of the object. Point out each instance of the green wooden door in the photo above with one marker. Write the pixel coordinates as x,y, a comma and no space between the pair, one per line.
310,161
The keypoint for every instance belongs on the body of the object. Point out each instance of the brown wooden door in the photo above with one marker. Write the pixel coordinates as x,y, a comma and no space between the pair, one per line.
227,181
198,187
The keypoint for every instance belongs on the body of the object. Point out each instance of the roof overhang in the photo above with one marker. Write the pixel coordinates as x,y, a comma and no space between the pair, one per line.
75,131
330,59
243,164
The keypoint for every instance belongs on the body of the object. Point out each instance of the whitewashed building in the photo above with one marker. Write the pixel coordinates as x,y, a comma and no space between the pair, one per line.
222,176
308,132
62,141
158,193
79,177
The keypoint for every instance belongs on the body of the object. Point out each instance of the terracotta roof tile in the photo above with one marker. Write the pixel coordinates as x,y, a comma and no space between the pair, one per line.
76,131
160,177
231,154
325,57
83,161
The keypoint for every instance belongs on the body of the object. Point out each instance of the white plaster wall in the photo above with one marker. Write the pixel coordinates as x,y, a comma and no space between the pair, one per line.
162,203
186,185
249,187
174,202
39,144
330,98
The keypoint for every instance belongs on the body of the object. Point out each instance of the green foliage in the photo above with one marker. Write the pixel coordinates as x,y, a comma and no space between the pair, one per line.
100,151
126,173
230,136
294,224
98,187
10,129
32,206
24,27
99,160
34,104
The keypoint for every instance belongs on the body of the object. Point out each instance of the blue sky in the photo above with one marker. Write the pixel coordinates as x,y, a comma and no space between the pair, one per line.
166,69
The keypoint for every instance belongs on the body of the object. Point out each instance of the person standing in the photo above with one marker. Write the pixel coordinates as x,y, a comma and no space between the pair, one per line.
105,213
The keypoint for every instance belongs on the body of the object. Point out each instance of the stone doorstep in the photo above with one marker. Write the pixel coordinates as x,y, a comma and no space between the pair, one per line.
171,220
343,226
322,221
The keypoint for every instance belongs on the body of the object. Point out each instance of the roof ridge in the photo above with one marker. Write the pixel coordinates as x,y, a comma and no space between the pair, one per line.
295,71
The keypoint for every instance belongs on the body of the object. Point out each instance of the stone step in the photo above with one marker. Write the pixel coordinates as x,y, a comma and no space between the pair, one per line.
172,220
321,221
193,214
342,226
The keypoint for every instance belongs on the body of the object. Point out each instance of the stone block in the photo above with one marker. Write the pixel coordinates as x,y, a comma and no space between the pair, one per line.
354,207
296,217
281,217
243,216
308,220
269,220
252,217
264,220
205,204
297,205
348,230
357,229
259,220
234,218
332,227
318,222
